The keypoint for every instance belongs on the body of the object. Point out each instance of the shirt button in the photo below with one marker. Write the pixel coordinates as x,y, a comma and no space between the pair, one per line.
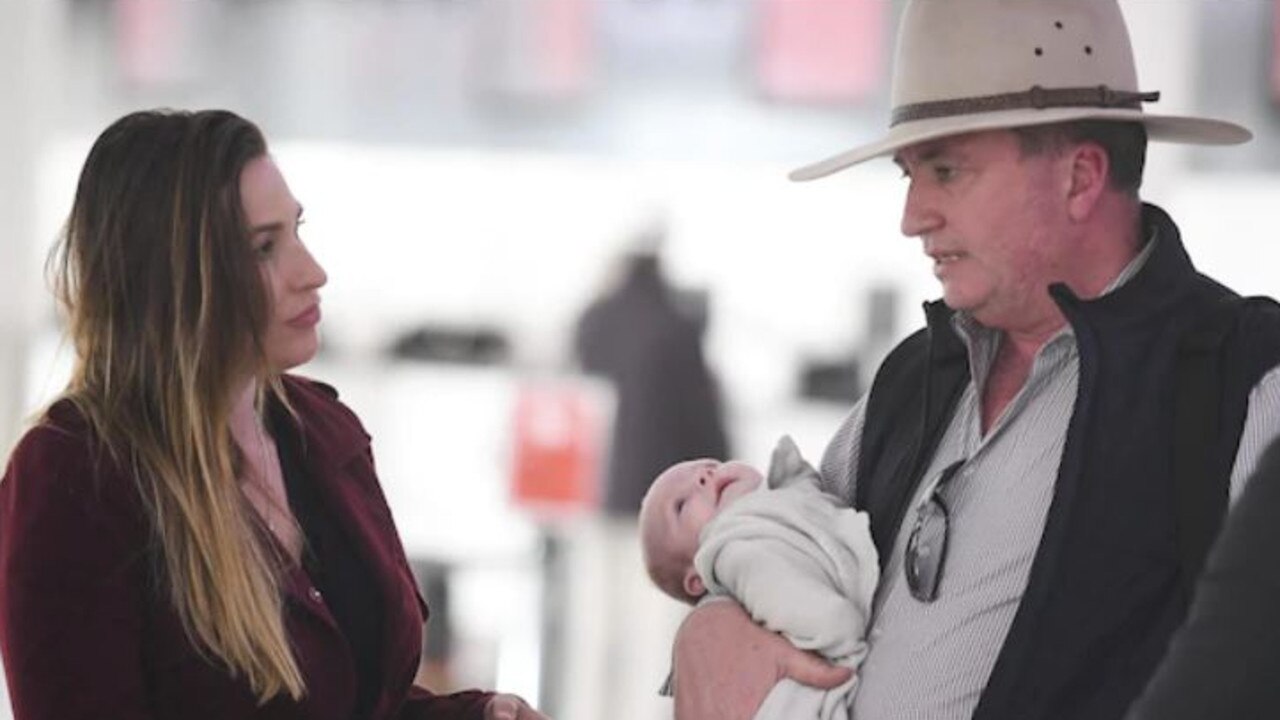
315,595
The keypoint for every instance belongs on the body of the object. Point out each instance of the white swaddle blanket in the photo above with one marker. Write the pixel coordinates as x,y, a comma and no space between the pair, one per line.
801,564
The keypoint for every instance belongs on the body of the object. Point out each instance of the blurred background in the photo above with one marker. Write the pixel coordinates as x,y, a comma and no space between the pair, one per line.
555,227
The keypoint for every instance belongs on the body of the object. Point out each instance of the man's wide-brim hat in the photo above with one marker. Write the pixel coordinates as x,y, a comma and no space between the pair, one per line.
969,65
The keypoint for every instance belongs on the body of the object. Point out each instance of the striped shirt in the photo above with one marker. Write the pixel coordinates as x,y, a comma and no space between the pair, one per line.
931,661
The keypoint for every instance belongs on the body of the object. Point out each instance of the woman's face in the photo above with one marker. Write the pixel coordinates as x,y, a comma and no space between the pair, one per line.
292,277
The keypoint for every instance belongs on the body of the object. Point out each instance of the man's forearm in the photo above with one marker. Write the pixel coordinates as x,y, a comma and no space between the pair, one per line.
725,665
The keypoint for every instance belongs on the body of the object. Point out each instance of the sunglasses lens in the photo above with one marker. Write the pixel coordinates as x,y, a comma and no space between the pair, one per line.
926,550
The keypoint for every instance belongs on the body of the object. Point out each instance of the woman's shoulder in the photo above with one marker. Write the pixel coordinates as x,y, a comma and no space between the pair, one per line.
59,468
59,435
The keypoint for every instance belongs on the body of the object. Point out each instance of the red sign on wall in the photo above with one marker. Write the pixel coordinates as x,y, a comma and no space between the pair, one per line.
820,50
558,436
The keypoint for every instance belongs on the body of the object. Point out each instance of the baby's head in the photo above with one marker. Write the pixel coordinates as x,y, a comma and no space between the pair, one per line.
679,503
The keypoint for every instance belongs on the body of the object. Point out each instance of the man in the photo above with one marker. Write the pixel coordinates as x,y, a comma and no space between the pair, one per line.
1045,464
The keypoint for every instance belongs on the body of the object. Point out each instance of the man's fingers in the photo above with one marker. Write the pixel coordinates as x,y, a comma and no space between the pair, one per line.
809,669
503,707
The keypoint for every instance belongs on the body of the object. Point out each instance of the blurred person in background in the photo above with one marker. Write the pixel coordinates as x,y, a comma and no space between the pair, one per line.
189,531
1046,464
644,337
648,345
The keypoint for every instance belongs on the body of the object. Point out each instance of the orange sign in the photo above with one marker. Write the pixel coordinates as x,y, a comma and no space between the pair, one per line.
558,434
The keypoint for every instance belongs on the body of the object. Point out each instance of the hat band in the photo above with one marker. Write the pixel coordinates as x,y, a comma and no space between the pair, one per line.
1037,98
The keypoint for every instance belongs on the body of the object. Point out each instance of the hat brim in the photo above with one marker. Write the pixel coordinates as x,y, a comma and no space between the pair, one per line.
1170,128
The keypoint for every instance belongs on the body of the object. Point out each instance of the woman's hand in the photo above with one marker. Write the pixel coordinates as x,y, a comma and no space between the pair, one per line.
510,707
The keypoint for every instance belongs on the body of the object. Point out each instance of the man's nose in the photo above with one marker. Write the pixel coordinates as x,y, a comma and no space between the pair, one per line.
919,215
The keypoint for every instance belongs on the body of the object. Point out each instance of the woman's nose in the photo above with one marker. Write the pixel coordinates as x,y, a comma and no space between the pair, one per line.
311,276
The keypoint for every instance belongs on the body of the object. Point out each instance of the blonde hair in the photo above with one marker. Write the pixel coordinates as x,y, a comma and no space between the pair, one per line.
166,310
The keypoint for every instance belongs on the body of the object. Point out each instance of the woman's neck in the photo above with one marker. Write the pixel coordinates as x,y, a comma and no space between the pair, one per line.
244,412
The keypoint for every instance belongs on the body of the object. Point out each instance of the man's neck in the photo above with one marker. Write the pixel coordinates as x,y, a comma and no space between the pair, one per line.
1111,240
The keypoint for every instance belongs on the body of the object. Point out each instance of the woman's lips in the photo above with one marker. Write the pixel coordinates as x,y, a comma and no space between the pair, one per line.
306,319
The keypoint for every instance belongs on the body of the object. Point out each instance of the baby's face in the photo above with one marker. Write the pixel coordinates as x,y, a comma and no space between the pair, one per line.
687,495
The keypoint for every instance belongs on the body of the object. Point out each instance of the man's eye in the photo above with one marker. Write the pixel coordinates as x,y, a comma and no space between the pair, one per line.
944,173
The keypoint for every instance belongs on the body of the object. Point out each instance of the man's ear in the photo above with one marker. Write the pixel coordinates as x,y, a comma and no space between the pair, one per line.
693,583
1089,175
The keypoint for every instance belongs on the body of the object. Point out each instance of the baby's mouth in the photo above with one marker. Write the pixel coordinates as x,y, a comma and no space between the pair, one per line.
721,490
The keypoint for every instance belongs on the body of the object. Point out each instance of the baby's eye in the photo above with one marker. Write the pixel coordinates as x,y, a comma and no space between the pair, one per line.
679,506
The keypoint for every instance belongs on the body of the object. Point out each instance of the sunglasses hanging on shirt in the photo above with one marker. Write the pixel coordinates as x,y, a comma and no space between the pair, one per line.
927,546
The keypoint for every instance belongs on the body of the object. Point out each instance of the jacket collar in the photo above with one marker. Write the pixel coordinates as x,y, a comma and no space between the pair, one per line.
329,429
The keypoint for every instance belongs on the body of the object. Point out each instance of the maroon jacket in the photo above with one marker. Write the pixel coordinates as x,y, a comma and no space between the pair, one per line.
86,631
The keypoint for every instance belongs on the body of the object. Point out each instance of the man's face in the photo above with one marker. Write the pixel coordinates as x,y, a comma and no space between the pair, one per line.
990,220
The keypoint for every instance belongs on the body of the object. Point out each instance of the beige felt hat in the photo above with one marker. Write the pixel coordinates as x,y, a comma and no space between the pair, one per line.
967,65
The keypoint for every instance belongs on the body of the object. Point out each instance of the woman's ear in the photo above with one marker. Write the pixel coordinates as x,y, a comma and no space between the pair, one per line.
693,583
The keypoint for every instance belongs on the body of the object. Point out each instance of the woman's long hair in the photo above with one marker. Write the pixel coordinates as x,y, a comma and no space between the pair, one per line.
166,310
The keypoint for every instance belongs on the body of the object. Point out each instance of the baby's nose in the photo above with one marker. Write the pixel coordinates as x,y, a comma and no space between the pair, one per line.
707,474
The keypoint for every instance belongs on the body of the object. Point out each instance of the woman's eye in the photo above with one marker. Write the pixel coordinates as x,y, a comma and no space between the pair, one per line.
264,250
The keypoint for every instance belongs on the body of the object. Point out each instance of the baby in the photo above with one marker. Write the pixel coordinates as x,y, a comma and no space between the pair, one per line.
794,557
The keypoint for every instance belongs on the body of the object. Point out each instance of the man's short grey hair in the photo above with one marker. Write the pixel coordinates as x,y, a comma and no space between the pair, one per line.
1124,142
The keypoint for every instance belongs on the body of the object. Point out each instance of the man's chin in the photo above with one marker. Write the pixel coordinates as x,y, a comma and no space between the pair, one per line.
957,301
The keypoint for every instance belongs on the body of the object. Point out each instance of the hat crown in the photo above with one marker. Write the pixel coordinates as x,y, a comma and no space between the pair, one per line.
973,65
958,49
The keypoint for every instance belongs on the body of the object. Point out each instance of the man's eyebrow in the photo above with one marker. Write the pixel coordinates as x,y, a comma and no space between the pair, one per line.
934,151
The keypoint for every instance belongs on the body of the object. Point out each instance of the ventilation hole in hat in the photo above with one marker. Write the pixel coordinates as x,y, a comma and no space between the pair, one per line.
1039,51
1058,24
1088,49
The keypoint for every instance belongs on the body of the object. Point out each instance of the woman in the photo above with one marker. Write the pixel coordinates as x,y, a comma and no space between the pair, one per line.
188,531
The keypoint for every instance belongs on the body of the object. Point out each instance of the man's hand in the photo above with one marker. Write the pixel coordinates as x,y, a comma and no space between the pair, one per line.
725,664
510,707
